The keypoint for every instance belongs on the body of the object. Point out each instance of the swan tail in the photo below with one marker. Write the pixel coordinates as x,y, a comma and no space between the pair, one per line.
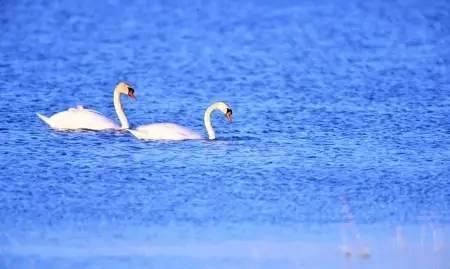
44,118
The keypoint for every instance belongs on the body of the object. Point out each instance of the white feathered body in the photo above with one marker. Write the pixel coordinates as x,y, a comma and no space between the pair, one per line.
79,118
164,131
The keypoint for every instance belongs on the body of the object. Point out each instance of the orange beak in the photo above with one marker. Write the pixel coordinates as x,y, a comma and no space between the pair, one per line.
131,95
229,116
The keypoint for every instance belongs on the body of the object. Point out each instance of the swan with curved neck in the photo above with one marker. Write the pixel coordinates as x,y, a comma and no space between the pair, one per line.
171,131
82,118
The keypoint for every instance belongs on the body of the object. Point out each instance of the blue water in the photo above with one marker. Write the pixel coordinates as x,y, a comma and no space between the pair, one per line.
338,156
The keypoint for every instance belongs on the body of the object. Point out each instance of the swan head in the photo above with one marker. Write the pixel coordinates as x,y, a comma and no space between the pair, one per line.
221,106
229,114
226,110
124,88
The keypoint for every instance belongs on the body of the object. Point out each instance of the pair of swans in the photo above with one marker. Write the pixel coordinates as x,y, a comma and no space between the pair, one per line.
82,118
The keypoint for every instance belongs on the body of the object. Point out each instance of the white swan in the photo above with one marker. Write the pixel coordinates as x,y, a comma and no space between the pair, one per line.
81,118
170,131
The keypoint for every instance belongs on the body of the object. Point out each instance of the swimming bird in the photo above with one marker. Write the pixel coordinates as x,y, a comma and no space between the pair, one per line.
171,131
82,118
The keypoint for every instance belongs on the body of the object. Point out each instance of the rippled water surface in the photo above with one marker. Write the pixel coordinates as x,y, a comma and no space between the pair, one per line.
338,156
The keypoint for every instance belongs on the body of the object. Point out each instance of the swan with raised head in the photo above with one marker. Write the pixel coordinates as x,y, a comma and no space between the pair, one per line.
171,131
82,118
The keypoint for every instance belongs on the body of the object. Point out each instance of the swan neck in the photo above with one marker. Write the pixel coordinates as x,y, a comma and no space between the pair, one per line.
208,125
119,111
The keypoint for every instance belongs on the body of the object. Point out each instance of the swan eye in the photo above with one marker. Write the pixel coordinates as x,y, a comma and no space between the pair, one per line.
229,111
130,91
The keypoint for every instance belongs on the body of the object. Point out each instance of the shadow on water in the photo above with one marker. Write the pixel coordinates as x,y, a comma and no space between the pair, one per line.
241,138
204,140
